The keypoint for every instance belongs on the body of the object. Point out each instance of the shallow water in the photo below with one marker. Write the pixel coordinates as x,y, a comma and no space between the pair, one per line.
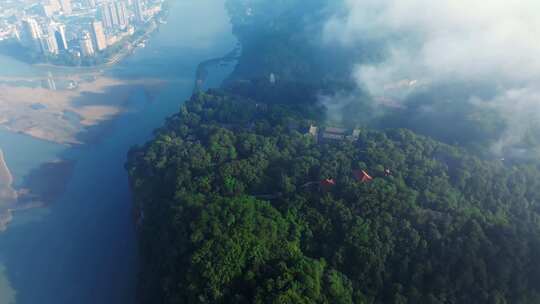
82,248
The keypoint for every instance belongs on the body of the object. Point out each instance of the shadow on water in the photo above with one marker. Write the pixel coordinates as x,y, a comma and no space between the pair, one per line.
82,248
44,188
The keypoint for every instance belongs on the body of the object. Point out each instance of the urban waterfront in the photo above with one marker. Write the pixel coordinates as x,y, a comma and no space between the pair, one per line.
81,248
77,32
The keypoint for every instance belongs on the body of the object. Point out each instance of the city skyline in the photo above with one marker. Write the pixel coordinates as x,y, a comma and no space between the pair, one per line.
75,28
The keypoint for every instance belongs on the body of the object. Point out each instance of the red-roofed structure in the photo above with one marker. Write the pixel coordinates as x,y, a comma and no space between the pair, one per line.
362,176
328,182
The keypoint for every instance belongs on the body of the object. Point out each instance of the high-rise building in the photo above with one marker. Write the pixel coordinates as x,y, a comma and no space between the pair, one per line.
47,10
17,34
58,31
114,14
55,4
100,42
109,15
31,28
122,14
105,15
66,6
49,45
50,7
138,6
87,49
51,85
31,34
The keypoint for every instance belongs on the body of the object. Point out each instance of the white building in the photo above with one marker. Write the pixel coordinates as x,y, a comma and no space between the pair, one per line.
49,45
50,7
122,14
66,6
31,34
105,15
58,31
138,6
100,41
85,43
31,29
113,15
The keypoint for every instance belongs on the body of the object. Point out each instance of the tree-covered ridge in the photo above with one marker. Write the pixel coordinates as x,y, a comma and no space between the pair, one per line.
232,210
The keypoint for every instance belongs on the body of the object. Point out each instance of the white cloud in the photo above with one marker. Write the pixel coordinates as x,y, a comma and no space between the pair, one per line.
471,41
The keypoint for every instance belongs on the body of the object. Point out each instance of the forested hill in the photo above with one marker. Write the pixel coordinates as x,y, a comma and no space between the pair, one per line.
238,204
251,195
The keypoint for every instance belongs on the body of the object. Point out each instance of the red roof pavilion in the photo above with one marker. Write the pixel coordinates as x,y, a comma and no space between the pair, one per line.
362,176
328,182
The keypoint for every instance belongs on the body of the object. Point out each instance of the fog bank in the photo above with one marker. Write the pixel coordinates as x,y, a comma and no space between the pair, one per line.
428,43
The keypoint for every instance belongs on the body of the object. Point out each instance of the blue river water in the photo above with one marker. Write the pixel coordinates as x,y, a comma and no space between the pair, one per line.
82,248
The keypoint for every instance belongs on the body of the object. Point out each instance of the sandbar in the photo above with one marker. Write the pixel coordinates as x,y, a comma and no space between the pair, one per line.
61,115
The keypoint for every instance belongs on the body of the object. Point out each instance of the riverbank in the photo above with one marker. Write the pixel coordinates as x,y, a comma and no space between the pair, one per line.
8,195
130,47
40,188
203,69
116,52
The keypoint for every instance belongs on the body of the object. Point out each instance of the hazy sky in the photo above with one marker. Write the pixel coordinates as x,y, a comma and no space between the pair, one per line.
473,41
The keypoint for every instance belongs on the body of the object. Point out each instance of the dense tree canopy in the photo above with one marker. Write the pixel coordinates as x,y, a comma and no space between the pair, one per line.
237,203
232,211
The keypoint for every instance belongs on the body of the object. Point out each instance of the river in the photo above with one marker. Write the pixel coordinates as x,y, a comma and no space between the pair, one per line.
82,247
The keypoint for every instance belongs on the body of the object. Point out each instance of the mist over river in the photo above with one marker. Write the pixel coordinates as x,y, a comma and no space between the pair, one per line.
81,247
